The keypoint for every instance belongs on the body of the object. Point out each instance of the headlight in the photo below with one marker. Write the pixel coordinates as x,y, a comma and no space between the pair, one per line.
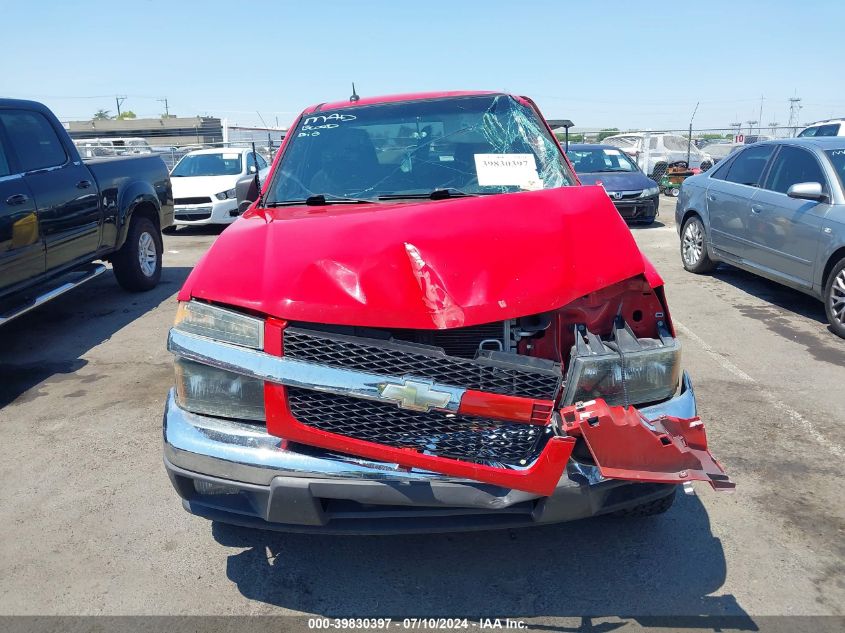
652,368
211,391
651,191
223,195
220,324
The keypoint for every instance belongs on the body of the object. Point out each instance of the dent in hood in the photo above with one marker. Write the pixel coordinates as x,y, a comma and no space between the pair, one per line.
427,265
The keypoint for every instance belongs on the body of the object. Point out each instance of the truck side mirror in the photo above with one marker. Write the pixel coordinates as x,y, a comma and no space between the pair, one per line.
246,191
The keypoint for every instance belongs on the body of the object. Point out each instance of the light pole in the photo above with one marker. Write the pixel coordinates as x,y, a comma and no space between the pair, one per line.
751,125
689,139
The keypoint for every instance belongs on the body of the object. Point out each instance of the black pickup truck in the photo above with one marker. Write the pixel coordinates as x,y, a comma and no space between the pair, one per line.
62,217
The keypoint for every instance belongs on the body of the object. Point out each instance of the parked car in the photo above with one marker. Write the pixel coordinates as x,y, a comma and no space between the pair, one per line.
204,183
427,340
776,209
829,127
635,196
59,215
663,150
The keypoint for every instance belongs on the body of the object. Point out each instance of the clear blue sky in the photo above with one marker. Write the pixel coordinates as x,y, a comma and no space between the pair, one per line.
601,63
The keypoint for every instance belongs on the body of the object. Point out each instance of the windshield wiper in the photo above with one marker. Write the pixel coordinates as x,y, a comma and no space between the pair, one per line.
320,200
437,194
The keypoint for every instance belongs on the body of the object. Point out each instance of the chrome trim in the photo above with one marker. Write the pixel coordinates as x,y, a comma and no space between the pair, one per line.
296,373
246,452
95,271
681,406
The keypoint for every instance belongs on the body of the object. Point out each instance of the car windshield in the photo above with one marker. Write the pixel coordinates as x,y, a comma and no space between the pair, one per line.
600,160
837,159
466,145
217,164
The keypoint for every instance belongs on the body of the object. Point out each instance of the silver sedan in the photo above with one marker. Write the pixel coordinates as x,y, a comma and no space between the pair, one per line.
776,209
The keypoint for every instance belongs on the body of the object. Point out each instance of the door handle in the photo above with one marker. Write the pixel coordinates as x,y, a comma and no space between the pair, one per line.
756,210
18,198
83,184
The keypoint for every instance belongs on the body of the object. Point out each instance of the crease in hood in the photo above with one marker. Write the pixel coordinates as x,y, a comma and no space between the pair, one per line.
426,265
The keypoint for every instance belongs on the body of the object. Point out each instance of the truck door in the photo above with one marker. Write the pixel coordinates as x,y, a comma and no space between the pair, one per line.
21,246
65,192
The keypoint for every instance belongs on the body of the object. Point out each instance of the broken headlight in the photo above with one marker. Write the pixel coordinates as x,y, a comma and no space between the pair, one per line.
623,370
209,390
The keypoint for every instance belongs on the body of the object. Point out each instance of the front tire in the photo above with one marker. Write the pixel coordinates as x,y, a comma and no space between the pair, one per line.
650,509
694,247
834,298
137,265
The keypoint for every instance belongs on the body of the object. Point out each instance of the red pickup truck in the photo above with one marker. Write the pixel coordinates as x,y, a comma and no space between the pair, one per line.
424,323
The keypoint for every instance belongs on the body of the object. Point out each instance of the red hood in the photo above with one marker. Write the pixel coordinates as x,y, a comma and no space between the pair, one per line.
441,264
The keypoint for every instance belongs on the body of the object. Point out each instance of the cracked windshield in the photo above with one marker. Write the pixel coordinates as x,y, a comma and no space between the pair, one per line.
454,146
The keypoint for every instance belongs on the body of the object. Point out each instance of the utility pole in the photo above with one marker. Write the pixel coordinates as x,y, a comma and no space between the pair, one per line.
119,101
760,117
689,140
166,109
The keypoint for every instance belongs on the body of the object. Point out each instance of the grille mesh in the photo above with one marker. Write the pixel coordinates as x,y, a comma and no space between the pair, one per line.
405,360
460,437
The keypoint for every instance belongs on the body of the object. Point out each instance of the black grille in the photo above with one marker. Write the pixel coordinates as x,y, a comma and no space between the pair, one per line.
514,376
460,437
198,200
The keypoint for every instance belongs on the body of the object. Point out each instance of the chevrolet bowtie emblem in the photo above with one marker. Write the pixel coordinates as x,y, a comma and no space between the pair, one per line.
415,395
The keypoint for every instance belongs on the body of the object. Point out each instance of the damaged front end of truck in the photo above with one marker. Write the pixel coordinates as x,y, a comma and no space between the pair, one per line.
422,365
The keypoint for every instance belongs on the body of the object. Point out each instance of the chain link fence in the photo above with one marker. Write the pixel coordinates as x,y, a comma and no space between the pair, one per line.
172,145
658,151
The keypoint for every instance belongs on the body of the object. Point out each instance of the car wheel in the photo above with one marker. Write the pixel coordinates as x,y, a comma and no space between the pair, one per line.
658,506
694,247
706,165
674,192
137,265
834,298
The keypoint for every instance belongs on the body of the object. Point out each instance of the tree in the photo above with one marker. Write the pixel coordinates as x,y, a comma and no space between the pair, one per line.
102,115
608,131
127,114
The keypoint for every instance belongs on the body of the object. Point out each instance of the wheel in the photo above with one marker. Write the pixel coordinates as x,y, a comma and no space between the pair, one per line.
675,192
658,506
137,265
706,165
834,298
693,248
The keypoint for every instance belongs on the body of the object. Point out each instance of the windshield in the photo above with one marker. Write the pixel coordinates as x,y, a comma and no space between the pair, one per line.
473,145
600,160
837,159
218,164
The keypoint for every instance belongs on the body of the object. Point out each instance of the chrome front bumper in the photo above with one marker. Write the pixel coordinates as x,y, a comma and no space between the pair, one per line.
247,453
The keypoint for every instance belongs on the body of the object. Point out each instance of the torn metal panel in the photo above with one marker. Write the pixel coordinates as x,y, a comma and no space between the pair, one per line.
625,445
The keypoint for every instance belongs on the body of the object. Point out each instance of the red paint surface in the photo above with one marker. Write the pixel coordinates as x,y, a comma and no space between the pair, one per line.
432,264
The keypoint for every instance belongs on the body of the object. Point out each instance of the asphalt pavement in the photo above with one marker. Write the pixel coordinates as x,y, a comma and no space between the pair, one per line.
91,524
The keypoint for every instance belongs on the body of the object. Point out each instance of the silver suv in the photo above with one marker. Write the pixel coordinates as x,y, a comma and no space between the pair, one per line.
654,152
776,209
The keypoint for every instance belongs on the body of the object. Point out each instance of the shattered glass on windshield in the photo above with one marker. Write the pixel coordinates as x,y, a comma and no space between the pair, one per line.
464,145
